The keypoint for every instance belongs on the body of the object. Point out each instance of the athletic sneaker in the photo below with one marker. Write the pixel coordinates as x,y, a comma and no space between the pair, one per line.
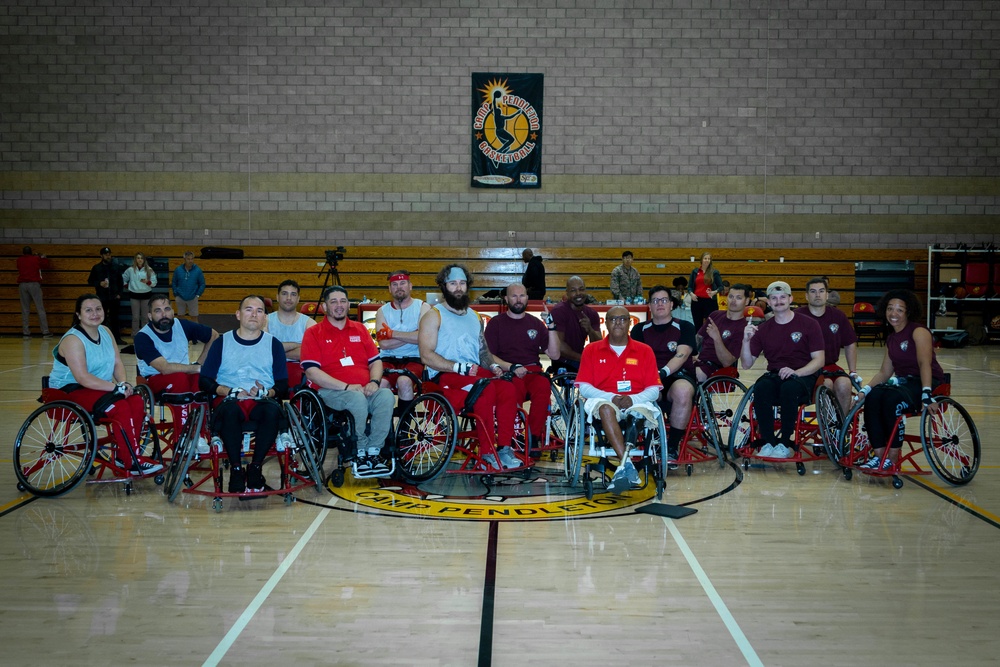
255,478
217,443
203,447
620,481
141,467
378,467
631,473
766,451
491,461
508,459
780,451
237,481
873,464
363,466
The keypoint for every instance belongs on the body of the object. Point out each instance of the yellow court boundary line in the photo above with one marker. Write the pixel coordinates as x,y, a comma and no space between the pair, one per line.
960,501
14,504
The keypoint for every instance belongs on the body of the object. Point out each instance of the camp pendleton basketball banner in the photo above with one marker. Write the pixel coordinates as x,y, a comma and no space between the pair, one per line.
506,130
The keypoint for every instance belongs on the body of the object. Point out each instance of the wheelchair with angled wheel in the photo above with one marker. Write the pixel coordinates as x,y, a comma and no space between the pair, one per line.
61,444
745,436
716,405
947,437
645,430
200,473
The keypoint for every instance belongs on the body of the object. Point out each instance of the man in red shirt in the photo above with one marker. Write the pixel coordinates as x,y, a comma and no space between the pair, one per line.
617,373
339,358
29,286
516,339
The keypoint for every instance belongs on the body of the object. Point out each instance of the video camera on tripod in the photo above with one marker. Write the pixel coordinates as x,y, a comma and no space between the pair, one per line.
334,256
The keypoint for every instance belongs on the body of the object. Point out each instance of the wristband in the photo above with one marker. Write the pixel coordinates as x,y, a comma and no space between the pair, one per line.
865,390
234,391
925,396
494,366
120,387
666,370
549,322
462,368
514,367
377,382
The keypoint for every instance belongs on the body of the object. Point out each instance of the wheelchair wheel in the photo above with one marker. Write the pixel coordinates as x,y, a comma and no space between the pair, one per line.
187,444
149,437
54,449
830,418
558,419
305,446
719,399
573,456
743,429
852,444
311,412
951,441
425,438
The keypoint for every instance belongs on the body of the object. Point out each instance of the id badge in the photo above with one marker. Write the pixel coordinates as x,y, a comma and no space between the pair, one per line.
624,386
347,361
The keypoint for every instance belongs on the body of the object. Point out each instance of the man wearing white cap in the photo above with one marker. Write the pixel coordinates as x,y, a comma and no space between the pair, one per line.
453,348
793,346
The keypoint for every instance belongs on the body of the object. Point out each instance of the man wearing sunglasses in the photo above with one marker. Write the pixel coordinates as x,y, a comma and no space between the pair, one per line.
617,375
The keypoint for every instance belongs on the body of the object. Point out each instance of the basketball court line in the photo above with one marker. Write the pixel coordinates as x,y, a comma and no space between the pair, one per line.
489,598
244,620
17,504
720,606
958,501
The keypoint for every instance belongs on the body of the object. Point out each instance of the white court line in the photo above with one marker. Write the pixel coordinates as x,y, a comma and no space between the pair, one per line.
734,629
241,623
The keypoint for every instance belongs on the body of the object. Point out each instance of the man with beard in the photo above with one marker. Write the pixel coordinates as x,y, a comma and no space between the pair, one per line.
837,334
161,349
339,357
793,345
673,344
516,339
721,335
106,279
396,329
288,325
618,375
245,370
454,350
576,323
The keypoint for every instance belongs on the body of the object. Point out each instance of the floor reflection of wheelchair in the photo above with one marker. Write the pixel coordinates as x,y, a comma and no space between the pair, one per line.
59,445
807,433
201,473
586,439
716,402
432,437
947,437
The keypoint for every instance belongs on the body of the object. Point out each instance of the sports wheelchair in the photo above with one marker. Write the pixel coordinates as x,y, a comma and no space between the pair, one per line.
586,438
948,438
201,473
716,404
808,429
431,431
59,446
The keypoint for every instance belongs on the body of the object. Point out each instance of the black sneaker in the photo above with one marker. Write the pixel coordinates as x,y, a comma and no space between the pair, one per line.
237,481
255,478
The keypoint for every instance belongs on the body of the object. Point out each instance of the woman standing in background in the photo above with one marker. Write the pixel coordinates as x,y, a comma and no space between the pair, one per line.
704,285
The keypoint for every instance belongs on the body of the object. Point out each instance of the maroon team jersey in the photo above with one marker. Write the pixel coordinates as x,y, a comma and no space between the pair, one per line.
837,332
789,344
518,341
902,351
732,337
664,339
567,323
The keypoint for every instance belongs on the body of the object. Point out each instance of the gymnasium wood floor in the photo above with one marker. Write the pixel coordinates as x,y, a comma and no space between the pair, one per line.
776,570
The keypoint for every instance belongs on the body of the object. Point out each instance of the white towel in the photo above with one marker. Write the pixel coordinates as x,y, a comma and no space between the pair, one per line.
648,411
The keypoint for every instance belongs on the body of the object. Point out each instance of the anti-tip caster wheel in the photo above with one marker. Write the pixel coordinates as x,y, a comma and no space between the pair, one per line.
800,468
897,483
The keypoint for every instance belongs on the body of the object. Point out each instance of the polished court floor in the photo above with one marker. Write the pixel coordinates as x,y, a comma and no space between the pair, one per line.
774,568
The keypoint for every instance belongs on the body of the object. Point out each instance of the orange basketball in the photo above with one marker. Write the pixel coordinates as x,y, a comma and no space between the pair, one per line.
960,292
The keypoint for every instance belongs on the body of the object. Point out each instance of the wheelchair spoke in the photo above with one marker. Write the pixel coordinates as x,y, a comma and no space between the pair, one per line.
951,442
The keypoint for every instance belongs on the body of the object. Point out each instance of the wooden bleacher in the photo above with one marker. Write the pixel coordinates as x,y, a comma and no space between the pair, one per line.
364,269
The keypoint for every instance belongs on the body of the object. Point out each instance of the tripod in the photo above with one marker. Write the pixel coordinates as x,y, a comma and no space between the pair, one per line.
332,278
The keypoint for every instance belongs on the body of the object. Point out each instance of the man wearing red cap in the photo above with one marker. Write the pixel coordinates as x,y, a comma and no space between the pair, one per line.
396,326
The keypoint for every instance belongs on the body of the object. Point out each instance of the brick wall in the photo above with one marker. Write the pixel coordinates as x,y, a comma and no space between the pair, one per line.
718,122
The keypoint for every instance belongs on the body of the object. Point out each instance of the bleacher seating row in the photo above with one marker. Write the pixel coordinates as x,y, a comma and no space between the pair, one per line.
364,269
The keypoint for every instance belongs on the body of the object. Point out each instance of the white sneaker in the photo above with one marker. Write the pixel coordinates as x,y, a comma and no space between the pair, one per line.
508,459
203,447
374,452
217,443
491,461
780,451
766,450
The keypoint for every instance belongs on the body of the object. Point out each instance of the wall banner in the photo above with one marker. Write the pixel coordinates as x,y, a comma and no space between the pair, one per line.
506,130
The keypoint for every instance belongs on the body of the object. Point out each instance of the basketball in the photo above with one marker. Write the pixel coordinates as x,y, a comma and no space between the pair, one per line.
960,292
